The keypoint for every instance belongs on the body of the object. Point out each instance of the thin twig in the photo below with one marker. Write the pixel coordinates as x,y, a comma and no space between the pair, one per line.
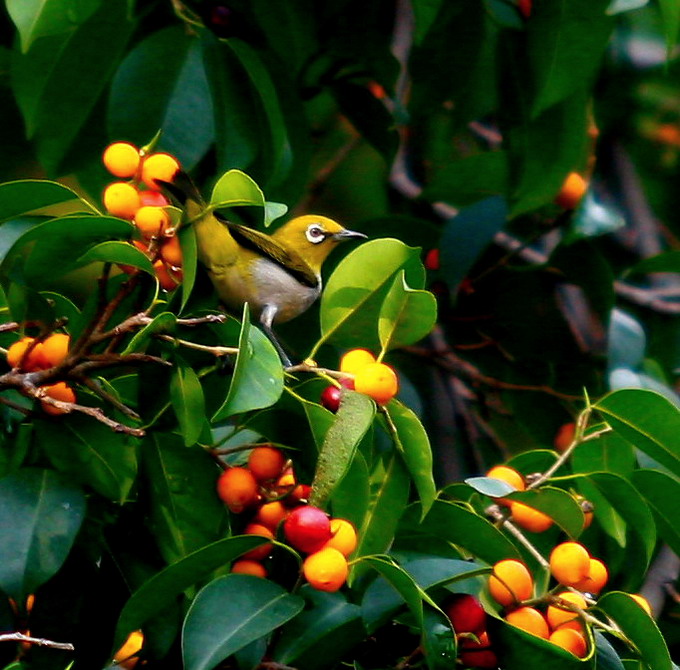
97,389
495,512
41,642
214,350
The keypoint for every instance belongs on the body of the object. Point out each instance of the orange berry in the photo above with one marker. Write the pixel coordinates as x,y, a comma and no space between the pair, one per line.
247,567
238,489
326,569
30,601
477,654
529,518
355,360
132,645
642,601
266,462
122,199
564,436
510,582
530,620
569,563
377,380
121,159
596,579
300,494
343,536
171,251
559,617
573,189
55,348
261,552
571,640
158,166
35,359
151,221
165,278
271,514
59,391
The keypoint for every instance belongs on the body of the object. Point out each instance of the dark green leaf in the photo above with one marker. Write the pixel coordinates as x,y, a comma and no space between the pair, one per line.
188,401
668,261
164,323
28,195
116,252
438,640
609,453
606,657
188,244
46,512
231,612
351,496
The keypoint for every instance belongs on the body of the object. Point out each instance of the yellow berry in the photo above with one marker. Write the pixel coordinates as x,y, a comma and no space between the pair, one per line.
377,380
158,166
122,199
121,159
326,569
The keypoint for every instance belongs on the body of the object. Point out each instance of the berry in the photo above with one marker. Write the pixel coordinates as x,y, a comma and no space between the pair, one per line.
300,494
569,563
307,528
466,613
246,566
330,398
153,199
563,618
571,640
530,620
509,476
158,166
59,391
572,191
377,380
343,536
266,462
171,251
55,348
238,489
271,514
122,199
121,159
510,582
432,260
165,278
261,552
356,360
132,646
529,518
564,436
326,569
596,579
35,359
151,221
524,7
477,654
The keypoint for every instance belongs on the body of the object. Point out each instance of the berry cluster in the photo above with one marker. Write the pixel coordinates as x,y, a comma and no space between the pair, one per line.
268,489
140,201
364,375
29,354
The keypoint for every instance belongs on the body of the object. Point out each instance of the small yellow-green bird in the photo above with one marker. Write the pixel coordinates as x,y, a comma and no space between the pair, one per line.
278,275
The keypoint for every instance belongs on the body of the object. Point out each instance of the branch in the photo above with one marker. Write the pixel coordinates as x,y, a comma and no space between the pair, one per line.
41,642
97,389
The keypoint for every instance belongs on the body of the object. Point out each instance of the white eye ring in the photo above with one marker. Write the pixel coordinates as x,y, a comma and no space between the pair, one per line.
315,233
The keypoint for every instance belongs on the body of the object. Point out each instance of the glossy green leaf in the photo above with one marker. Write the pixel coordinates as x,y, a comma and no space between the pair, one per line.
438,639
647,420
46,512
258,374
91,454
37,18
610,452
236,188
558,504
639,627
321,634
162,84
661,492
462,527
116,252
28,195
606,657
354,294
670,12
352,420
163,323
406,315
185,512
231,612
351,496
490,486
165,586
189,246
188,401
413,444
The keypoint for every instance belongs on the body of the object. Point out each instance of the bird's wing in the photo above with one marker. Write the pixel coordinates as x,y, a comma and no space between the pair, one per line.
267,246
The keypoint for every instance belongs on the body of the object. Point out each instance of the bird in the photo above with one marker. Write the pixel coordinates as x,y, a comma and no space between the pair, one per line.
277,275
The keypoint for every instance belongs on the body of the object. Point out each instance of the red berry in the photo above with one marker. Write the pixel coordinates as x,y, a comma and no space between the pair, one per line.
466,613
330,398
307,528
477,654
432,259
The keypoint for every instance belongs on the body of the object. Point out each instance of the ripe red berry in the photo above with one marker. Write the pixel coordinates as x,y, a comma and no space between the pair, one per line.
466,613
330,398
307,528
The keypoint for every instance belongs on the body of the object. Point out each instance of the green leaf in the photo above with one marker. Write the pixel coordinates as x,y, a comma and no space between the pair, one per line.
352,421
37,18
188,401
425,12
163,323
60,80
661,492
414,446
438,640
406,315
236,188
619,6
490,486
351,496
164,587
609,453
606,657
320,635
185,512
670,12
162,84
639,627
116,252
46,513
258,374
231,612
91,454
669,261
28,195
647,420
352,300
559,505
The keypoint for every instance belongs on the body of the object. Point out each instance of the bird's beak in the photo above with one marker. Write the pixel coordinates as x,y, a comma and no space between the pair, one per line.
345,234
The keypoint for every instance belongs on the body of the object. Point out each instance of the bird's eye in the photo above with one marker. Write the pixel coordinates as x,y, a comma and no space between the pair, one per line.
315,234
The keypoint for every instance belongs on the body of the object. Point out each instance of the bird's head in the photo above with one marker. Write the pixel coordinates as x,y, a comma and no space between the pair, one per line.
313,237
